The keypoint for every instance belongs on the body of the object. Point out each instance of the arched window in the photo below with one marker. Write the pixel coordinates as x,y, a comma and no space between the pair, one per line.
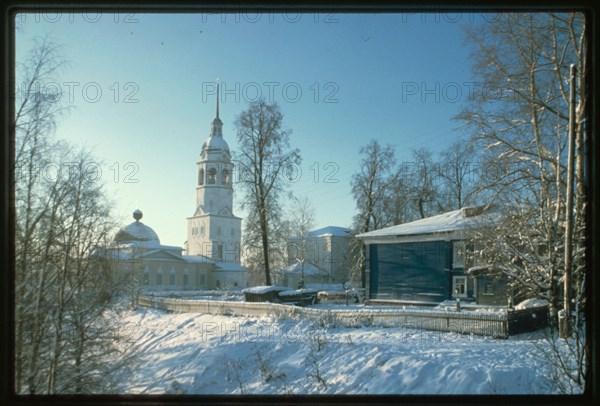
172,278
201,176
159,278
212,176
225,177
186,278
146,277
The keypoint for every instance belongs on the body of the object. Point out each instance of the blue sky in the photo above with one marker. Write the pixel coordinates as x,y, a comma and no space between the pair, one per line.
141,86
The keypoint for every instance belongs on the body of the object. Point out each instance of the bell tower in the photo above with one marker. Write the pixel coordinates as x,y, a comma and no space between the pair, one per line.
214,231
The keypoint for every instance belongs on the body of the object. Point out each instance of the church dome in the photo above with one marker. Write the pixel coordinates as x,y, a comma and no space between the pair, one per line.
215,144
136,231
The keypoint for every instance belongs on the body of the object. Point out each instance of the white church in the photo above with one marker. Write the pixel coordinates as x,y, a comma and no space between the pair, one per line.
211,254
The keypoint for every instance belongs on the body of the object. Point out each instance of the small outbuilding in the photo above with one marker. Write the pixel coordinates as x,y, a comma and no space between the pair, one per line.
263,293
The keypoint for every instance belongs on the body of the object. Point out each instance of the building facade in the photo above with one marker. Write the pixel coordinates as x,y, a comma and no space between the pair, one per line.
140,259
428,260
326,254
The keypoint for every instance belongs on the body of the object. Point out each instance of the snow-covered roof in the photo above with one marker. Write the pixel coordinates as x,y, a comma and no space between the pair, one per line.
136,246
531,303
216,142
457,220
309,269
330,231
136,231
259,290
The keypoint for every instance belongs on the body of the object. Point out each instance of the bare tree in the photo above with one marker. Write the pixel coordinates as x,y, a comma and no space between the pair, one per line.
302,218
35,117
371,183
423,188
370,186
521,119
523,126
264,160
456,173
397,207
62,290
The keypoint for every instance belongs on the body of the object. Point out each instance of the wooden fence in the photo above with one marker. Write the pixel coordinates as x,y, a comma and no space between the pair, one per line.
498,325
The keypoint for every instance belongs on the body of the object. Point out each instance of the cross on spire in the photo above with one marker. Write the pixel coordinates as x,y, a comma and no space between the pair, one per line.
217,98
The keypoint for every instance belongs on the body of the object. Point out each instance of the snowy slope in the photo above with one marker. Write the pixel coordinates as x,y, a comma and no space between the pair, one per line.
208,354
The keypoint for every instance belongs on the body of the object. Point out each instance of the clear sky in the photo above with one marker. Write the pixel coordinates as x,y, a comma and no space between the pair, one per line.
143,90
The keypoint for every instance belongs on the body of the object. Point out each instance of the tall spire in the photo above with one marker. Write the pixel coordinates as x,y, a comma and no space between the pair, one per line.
217,99
217,124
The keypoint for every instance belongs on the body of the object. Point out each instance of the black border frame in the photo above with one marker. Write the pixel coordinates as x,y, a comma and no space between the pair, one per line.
7,39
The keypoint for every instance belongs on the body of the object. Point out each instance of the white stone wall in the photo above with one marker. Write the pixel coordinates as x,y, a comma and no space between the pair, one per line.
218,230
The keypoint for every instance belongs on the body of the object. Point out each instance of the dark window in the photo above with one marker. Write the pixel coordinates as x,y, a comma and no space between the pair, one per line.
225,177
212,175
172,278
186,279
159,278
489,288
202,279
146,279
201,177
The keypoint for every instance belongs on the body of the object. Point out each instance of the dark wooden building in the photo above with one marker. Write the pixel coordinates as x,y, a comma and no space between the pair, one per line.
427,260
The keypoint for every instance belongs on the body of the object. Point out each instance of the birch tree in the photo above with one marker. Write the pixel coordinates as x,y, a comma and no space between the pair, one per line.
62,216
520,117
523,125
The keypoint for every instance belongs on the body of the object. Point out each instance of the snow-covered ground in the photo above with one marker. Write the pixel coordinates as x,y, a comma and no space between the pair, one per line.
208,354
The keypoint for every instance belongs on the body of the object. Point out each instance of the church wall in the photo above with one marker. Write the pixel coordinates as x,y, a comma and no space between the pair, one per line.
149,271
214,198
217,229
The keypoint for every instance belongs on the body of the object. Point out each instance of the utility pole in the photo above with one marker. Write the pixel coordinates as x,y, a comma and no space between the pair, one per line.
565,320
